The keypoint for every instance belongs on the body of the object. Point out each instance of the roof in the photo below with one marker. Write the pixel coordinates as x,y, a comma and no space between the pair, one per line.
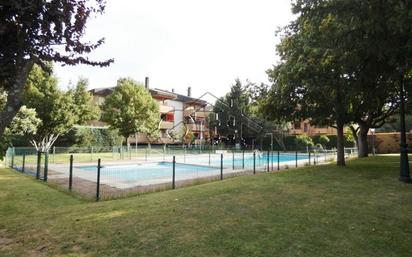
157,93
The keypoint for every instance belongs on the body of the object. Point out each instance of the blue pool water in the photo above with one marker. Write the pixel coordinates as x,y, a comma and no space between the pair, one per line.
148,170
158,170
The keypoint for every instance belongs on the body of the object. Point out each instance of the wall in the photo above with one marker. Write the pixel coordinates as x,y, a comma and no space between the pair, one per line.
178,118
388,142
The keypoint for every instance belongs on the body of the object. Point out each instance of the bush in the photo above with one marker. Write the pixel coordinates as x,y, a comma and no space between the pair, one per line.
87,137
303,141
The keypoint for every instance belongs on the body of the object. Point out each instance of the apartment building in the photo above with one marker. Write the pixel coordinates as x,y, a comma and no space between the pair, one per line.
304,127
179,114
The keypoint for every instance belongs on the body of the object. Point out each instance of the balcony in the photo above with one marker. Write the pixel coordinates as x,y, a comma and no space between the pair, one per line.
191,112
166,125
165,108
197,127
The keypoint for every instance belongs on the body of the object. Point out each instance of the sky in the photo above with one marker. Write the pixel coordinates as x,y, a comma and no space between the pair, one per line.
202,44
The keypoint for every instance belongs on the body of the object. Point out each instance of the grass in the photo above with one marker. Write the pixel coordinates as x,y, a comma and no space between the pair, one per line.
358,210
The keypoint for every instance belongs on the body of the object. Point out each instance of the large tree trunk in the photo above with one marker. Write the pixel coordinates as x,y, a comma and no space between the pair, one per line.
14,99
363,141
340,146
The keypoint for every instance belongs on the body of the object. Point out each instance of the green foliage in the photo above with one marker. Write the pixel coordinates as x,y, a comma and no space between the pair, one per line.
80,136
349,138
230,110
131,109
84,107
303,141
36,32
323,140
53,107
3,99
25,122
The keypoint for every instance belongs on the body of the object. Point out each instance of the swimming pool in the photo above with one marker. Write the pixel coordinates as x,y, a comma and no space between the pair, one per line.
149,170
186,168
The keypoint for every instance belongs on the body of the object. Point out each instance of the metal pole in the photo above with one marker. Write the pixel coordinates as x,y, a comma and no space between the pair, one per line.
71,173
233,160
98,180
254,162
54,153
91,153
174,173
209,157
243,159
278,160
38,164
12,157
221,166
296,155
271,156
404,165
46,165
268,160
309,157
135,141
24,163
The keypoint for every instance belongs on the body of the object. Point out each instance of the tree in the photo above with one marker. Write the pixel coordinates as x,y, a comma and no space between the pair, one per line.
35,32
229,112
303,141
324,140
53,107
25,123
308,83
353,53
131,109
84,107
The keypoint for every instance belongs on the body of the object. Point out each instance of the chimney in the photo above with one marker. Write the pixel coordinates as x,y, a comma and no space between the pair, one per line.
146,82
189,91
173,90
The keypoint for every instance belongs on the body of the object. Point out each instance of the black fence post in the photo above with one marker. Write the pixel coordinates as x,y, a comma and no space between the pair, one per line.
98,180
296,157
46,165
309,158
209,157
221,166
268,161
278,160
38,164
271,158
243,159
23,166
233,160
71,173
12,157
254,162
174,173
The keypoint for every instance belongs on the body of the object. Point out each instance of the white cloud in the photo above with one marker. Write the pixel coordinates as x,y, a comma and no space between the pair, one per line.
181,43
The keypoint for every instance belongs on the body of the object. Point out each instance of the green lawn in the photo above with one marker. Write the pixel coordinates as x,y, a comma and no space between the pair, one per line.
359,210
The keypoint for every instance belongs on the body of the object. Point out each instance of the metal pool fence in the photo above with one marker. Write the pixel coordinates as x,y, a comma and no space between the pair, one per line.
106,173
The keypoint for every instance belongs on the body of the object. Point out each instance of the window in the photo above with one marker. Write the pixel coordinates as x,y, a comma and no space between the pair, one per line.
296,125
305,127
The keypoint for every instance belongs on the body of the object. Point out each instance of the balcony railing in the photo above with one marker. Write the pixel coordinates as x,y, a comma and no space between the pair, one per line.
166,125
197,127
192,112
165,108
